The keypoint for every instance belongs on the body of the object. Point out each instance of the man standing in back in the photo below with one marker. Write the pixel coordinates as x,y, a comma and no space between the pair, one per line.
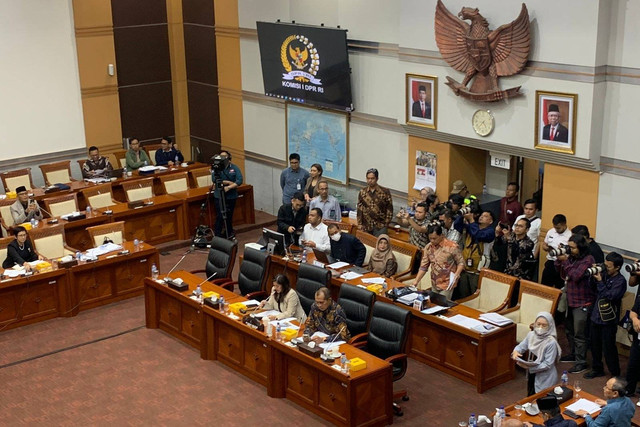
326,202
293,178
375,206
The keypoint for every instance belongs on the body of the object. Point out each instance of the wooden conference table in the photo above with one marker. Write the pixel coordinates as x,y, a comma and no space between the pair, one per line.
479,359
361,398
66,292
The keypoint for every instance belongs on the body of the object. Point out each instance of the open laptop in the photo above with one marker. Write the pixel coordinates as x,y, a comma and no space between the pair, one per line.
115,173
441,300
323,257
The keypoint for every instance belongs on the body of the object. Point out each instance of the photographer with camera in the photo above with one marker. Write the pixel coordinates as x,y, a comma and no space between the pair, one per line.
227,177
478,234
580,298
520,260
556,237
594,247
611,286
417,225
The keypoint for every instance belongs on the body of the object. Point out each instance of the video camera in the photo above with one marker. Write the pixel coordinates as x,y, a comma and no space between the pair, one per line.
219,163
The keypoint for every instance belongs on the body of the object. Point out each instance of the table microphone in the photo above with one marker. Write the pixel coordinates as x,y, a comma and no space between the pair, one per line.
190,250
324,355
200,284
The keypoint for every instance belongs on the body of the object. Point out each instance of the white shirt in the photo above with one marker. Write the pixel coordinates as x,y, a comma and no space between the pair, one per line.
317,235
534,230
553,239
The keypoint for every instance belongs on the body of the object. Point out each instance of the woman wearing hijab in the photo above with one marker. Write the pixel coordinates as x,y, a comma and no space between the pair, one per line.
383,261
544,353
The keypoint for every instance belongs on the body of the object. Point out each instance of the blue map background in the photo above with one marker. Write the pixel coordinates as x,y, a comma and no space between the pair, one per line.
319,137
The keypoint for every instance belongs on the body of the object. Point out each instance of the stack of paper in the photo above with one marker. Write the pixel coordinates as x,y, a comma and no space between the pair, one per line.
374,280
496,319
350,275
408,299
584,404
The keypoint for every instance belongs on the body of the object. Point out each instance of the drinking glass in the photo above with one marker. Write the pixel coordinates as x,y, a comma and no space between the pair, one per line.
517,411
577,387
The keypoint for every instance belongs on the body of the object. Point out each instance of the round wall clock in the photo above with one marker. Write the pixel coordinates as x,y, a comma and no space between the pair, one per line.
483,122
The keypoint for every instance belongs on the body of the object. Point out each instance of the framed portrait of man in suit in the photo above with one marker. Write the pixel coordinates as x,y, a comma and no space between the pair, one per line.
556,115
421,100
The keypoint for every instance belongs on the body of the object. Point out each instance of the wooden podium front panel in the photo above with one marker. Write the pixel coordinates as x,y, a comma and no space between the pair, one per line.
333,397
301,383
169,313
9,303
91,286
461,354
369,402
256,358
40,299
129,276
229,344
191,323
426,341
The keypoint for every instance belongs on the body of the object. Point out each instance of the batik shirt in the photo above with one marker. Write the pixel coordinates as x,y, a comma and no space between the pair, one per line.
375,208
331,321
443,260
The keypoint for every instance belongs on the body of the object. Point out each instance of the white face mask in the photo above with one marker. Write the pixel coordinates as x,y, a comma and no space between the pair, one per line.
540,330
335,237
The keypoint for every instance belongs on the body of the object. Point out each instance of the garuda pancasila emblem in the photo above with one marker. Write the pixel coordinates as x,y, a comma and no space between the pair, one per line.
481,54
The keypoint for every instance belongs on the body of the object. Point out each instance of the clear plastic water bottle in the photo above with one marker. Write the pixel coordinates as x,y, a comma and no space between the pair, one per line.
78,255
198,292
154,272
176,160
564,379
417,304
484,189
33,223
278,332
124,171
136,243
221,304
343,362
472,421
503,414
304,256
146,163
88,210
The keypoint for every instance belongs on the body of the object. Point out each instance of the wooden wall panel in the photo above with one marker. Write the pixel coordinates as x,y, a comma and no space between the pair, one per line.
443,173
92,14
204,111
200,54
142,54
147,110
469,165
179,77
94,55
102,120
198,12
138,12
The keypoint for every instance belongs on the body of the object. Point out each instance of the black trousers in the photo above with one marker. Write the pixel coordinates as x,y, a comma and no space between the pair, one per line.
550,276
603,339
633,368
219,226
577,329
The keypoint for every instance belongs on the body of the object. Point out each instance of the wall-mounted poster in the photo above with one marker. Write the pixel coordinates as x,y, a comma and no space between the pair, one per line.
426,166
319,136
421,100
556,115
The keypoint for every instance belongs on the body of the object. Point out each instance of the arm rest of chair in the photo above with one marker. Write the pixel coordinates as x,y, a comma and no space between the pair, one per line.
510,310
397,358
197,271
359,340
407,272
404,278
69,248
228,285
258,295
474,295
500,307
220,281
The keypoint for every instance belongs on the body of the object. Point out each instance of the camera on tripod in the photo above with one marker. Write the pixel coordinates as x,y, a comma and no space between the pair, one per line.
219,163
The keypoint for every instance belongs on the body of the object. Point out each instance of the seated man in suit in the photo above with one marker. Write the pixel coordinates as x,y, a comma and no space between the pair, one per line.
292,217
167,155
96,165
346,247
24,209
328,317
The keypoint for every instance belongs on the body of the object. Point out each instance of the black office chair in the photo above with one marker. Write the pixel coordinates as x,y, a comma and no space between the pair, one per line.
387,339
221,259
357,303
310,279
252,278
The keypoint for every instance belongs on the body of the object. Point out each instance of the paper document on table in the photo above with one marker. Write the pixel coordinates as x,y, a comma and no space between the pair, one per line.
434,309
103,249
13,273
408,299
319,335
285,323
452,279
465,321
496,319
337,265
267,313
374,280
326,345
350,275
584,404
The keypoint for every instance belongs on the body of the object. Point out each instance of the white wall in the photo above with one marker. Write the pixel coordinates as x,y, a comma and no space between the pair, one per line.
41,110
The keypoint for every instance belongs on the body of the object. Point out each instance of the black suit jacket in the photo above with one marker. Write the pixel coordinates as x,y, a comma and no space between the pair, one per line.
417,111
562,133
287,218
349,249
